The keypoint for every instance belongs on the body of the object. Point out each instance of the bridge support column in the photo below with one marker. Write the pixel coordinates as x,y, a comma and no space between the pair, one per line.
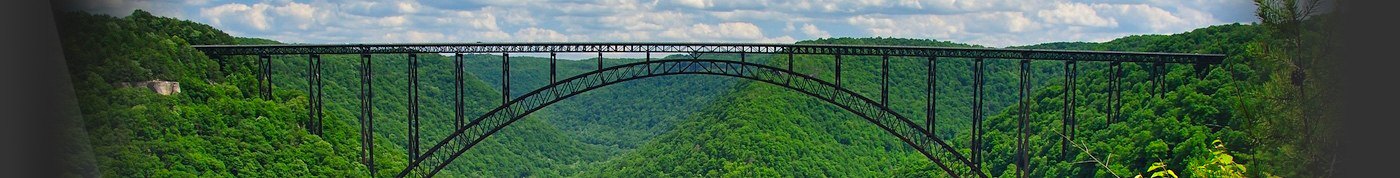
1152,78
1022,138
222,62
1160,84
554,57
367,112
265,77
931,92
838,70
885,81
648,60
505,77
743,58
977,67
789,66
313,91
1114,70
412,106
1068,123
460,106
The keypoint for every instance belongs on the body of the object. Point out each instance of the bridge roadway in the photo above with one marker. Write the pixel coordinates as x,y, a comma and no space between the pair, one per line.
668,47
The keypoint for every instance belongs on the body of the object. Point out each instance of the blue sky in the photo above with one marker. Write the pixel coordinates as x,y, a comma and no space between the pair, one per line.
995,23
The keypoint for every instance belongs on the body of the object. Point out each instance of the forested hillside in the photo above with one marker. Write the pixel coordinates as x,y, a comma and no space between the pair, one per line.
767,130
619,117
217,127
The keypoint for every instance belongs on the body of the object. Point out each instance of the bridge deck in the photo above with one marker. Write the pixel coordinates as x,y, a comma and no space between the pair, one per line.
662,47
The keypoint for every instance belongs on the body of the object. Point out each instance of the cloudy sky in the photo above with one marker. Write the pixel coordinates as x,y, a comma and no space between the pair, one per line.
995,23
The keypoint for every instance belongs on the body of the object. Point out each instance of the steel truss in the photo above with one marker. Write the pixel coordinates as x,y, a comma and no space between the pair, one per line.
1069,123
1023,134
976,145
265,77
825,49
367,112
316,108
459,104
412,106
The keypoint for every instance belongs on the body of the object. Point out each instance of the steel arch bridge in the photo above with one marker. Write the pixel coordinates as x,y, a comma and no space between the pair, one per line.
427,162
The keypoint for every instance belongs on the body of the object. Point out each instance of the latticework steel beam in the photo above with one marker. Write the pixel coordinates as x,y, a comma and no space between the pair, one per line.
828,49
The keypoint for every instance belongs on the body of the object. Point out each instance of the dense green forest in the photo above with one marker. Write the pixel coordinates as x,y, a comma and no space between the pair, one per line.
217,127
764,130
619,117
674,126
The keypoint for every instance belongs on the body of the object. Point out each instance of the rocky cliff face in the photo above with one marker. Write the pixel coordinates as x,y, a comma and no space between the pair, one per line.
159,86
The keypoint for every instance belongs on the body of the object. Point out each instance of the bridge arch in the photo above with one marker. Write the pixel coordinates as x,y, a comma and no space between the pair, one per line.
466,136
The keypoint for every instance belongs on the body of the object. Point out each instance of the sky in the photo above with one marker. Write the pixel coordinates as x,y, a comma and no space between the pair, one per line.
993,23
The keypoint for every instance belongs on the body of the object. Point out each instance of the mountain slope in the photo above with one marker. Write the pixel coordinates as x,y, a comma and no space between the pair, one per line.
619,117
217,127
766,130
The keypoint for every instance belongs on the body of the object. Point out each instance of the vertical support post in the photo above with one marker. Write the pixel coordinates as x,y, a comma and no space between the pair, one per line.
977,67
222,62
1114,94
1118,93
412,106
367,112
885,81
789,66
1022,141
600,60
930,92
648,60
838,70
265,77
743,58
268,74
313,92
320,95
458,74
1152,78
553,57
505,77
1161,78
1067,123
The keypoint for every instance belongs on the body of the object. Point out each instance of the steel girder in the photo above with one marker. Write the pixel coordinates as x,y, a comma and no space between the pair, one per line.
827,49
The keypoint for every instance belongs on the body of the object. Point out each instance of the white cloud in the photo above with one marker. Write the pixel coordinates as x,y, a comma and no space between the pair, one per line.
238,14
812,31
302,15
645,20
730,31
1146,18
392,21
407,7
695,3
475,20
415,36
1075,14
538,34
